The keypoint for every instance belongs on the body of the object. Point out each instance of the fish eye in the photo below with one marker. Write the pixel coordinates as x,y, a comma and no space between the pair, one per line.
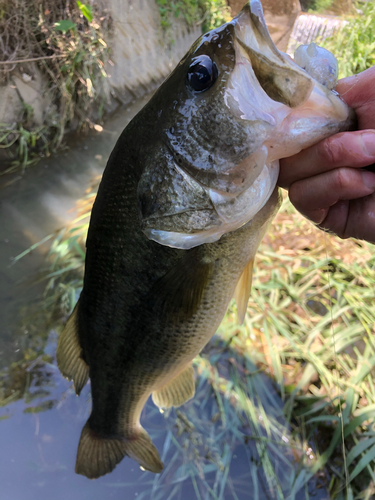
202,73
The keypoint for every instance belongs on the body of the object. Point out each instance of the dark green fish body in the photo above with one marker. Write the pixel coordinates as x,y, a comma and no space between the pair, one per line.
151,308
184,202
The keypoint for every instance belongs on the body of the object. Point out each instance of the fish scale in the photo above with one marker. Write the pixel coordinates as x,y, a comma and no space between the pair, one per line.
187,195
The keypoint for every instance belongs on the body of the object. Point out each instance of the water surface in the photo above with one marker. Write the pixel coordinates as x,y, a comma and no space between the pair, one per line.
209,448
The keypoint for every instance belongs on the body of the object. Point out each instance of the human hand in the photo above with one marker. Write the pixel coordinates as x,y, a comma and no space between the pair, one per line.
326,182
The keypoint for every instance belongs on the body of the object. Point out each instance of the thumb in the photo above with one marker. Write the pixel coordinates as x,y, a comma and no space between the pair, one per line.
358,91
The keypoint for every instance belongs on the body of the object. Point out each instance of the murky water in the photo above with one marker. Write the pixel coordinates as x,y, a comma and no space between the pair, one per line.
209,450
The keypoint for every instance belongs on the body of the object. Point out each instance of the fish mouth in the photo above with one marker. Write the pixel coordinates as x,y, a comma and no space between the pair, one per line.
282,108
279,77
275,89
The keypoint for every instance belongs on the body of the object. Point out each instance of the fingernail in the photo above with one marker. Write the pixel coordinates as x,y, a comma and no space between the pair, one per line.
368,179
317,216
369,142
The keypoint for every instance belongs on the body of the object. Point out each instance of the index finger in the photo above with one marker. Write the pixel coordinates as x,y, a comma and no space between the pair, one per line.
346,149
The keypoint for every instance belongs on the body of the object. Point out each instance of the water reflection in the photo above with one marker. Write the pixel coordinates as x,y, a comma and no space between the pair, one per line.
210,447
215,447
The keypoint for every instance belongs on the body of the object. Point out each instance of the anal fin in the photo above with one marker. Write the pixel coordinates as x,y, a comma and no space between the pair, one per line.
177,391
242,291
68,354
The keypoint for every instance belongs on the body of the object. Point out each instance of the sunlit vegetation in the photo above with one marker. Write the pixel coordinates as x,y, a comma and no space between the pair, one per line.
354,44
308,332
66,41
331,7
209,14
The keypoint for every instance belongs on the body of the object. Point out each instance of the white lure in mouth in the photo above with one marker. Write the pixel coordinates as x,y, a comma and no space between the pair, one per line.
318,63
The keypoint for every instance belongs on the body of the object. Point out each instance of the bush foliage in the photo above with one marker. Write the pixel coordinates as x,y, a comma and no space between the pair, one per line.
354,44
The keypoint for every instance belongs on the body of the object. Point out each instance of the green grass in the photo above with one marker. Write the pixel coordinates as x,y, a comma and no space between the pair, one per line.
308,332
209,14
354,44
331,7
67,41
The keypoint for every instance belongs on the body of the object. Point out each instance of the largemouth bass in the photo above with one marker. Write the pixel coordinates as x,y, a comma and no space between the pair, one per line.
185,199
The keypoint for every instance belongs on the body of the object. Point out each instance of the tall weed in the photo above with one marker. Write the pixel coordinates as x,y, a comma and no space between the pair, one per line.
354,44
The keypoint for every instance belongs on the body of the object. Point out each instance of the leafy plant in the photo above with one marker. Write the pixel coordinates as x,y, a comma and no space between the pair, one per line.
336,7
354,44
216,13
23,136
320,6
86,10
65,25
66,40
209,13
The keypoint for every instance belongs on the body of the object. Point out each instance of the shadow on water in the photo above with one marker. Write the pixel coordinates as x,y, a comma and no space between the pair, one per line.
210,447
213,447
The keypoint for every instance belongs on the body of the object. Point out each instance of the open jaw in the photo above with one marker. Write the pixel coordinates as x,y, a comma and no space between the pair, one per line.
282,109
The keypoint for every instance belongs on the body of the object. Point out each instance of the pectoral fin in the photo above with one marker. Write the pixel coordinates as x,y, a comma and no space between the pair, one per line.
176,392
68,354
242,291
179,292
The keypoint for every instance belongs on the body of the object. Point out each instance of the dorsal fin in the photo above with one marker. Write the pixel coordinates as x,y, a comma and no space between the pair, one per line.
242,291
68,354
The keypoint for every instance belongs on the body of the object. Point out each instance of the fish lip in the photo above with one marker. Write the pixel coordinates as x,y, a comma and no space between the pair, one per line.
256,42
279,77
251,18
252,13
181,241
250,28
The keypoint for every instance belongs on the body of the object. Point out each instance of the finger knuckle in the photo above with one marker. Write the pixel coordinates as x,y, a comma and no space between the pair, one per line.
341,179
331,150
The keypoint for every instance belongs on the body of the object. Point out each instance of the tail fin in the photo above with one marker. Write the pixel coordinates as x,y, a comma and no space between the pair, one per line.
97,456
